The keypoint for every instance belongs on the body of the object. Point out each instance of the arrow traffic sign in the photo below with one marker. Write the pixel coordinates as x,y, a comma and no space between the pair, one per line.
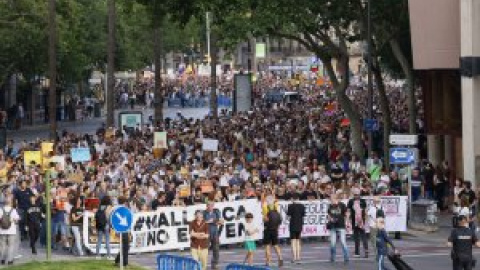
121,219
402,156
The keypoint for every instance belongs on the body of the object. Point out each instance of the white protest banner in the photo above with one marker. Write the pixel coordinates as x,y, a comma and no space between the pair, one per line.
160,140
81,154
210,145
167,228
315,221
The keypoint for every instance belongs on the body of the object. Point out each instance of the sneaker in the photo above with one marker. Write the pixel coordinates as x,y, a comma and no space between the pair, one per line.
10,262
292,261
280,263
356,255
299,262
3,261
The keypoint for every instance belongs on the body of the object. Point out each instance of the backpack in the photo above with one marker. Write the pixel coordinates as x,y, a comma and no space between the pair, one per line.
6,221
274,219
101,219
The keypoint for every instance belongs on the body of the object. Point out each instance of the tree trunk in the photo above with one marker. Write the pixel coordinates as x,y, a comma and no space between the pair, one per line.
347,105
213,74
408,72
52,65
157,50
111,63
385,107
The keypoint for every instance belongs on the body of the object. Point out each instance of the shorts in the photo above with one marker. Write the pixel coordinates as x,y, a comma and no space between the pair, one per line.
250,245
270,237
295,234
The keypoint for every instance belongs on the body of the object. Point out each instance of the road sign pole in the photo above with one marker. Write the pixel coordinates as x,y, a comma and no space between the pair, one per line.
121,251
409,186
48,216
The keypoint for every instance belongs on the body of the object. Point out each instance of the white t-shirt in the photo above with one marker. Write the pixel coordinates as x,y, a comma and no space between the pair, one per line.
14,217
249,229
372,216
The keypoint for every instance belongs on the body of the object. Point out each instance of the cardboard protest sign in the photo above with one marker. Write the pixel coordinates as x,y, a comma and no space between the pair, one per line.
46,148
210,145
160,140
32,156
81,154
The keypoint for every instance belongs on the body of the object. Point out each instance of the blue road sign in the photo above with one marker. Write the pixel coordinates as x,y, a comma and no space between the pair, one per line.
370,124
121,219
402,155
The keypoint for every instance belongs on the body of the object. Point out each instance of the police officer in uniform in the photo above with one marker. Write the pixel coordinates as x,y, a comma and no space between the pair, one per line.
462,239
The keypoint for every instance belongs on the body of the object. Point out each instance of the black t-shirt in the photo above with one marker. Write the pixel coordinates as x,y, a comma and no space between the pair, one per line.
336,212
463,240
78,212
469,194
23,198
296,212
396,187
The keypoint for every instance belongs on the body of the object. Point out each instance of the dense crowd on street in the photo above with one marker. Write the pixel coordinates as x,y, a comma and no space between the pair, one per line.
298,152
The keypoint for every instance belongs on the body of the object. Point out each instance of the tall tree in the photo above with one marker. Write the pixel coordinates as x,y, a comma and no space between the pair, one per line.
52,65
157,43
213,71
111,63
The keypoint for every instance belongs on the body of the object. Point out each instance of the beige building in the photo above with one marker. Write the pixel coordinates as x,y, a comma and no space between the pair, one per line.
446,55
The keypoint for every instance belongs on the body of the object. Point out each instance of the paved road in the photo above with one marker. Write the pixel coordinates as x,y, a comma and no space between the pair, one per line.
421,251
91,125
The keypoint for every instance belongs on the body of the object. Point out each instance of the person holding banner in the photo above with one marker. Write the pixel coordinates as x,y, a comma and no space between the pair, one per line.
213,219
199,239
336,225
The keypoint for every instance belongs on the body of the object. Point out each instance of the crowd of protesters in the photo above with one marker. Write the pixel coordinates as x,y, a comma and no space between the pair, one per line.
293,152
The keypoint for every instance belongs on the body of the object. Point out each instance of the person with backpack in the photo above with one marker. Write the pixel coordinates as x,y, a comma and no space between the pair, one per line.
8,229
102,226
272,222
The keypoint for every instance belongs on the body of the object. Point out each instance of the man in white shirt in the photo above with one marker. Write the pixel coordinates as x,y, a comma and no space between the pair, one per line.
8,235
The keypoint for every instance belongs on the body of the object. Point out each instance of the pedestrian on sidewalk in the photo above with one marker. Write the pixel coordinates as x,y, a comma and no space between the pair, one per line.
462,240
9,219
250,234
296,212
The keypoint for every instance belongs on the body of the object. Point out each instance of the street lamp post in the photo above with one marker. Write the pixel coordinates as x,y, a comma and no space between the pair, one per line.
369,77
